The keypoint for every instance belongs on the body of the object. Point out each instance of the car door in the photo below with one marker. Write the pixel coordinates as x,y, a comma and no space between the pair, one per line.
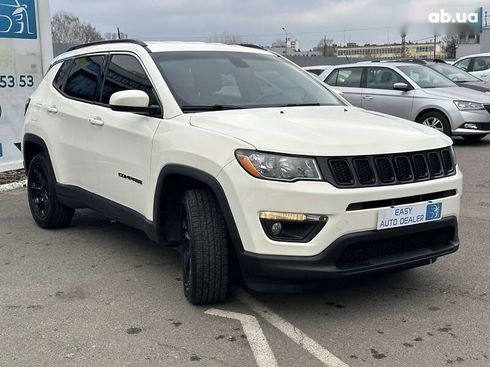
76,87
379,95
120,143
480,67
348,81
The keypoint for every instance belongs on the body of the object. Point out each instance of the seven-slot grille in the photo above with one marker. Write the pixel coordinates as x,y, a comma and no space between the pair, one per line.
381,170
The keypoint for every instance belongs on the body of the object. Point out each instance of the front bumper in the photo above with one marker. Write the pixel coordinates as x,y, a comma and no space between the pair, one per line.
357,254
247,196
481,118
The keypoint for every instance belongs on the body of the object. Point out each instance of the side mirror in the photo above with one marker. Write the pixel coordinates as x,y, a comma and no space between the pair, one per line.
402,86
135,101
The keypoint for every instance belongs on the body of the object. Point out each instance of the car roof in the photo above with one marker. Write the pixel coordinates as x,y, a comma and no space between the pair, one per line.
163,46
474,55
363,64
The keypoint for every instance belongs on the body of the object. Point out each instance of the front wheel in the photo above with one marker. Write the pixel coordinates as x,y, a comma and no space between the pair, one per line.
205,248
436,120
45,207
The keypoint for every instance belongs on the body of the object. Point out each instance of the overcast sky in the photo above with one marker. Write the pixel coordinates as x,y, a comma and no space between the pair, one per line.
260,21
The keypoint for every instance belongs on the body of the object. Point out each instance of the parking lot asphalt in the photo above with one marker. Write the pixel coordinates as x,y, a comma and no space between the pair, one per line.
101,294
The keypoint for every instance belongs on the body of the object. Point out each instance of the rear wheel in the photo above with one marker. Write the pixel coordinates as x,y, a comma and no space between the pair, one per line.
474,138
45,207
436,120
205,248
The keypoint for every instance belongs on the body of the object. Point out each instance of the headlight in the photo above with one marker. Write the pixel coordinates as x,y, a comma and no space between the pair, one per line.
468,105
278,167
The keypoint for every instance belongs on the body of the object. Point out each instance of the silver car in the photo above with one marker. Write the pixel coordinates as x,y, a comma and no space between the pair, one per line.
414,92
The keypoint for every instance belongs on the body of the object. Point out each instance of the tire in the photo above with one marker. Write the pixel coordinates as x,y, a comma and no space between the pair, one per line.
436,120
45,207
474,138
205,249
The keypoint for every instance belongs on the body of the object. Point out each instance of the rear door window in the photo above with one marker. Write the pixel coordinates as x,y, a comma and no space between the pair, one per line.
349,77
85,78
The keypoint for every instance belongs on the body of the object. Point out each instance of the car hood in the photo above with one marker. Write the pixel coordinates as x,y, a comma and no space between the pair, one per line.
328,131
457,93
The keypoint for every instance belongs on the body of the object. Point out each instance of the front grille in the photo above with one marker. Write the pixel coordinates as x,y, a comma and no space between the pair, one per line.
382,170
385,250
364,171
341,171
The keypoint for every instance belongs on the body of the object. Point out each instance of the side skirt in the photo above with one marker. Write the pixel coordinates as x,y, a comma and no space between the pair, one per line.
76,197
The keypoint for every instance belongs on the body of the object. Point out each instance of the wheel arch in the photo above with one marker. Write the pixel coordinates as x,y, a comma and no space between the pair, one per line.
31,146
173,181
432,109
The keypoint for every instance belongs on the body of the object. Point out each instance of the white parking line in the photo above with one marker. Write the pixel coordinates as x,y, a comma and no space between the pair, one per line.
256,338
300,338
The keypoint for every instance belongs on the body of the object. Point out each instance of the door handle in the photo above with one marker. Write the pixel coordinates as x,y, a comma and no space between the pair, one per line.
367,97
96,121
52,109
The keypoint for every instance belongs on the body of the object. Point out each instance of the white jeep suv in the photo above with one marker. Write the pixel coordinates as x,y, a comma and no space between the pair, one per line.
241,159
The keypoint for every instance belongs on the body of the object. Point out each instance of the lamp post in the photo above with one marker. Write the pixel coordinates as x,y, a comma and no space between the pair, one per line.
286,44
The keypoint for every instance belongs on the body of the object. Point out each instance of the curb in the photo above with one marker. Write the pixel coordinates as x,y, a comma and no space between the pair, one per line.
13,186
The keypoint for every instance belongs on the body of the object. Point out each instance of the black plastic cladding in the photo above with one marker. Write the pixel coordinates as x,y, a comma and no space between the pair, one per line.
387,169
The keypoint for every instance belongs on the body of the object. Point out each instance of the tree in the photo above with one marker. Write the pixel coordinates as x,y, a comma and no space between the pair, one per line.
227,38
450,45
326,47
68,28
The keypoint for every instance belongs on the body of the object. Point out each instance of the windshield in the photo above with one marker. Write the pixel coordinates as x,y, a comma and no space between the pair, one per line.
425,77
216,80
453,73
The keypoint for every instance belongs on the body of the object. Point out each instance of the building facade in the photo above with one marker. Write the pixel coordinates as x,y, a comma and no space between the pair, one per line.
392,51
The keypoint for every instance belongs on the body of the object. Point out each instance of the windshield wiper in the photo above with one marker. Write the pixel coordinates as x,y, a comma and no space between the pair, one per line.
300,104
215,107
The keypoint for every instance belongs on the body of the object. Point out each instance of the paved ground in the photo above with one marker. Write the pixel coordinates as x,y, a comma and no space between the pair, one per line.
101,294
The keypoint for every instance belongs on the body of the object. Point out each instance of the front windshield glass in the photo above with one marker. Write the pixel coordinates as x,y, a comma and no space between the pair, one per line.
425,77
215,80
453,73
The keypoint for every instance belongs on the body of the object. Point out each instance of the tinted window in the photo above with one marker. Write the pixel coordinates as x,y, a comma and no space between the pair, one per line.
208,80
62,74
332,78
382,78
84,80
349,77
126,73
463,64
481,63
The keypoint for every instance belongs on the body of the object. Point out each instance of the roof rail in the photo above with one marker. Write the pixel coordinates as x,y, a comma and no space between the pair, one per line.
105,42
251,45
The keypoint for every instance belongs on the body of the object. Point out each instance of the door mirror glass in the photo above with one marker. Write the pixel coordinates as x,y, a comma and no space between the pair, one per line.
401,86
135,101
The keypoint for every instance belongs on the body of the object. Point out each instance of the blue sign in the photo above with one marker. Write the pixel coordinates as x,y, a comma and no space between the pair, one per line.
18,19
1,151
433,212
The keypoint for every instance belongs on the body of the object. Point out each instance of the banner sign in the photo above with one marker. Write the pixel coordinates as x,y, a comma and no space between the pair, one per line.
25,53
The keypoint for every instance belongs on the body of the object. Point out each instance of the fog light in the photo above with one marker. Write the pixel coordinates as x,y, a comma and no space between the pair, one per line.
276,228
470,126
291,227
